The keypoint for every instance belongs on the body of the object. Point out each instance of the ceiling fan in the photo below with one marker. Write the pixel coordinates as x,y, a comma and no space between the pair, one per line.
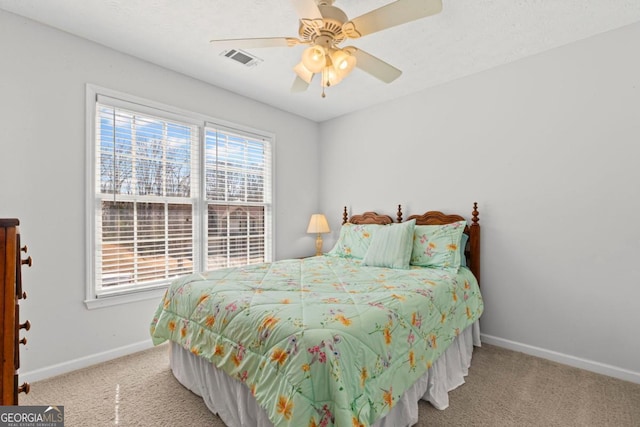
324,27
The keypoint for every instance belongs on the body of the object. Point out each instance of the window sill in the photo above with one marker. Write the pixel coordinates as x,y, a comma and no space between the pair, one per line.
108,301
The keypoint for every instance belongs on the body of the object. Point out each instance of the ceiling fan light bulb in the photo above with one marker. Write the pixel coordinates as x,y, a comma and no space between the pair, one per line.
313,58
343,61
339,57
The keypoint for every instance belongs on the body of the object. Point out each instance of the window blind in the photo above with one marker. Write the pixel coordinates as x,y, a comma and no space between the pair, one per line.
147,177
173,194
238,195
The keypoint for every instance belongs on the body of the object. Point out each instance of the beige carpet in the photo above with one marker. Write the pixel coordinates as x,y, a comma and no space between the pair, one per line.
504,388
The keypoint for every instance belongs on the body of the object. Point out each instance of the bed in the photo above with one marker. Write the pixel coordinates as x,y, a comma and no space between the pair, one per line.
354,337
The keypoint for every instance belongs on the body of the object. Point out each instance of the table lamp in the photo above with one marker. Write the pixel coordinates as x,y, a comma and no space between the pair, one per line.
318,224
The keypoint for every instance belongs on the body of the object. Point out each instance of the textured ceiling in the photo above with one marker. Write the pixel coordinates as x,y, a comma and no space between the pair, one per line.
469,36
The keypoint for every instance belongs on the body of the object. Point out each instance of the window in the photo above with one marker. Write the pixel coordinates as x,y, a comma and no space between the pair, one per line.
171,193
236,176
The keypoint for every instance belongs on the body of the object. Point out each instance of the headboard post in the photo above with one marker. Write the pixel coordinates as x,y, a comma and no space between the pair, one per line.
345,216
399,216
474,242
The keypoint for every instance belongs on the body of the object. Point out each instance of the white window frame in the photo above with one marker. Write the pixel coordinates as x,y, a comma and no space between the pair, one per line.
145,106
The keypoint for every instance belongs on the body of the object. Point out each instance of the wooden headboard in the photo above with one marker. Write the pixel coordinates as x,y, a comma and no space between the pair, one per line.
366,218
472,251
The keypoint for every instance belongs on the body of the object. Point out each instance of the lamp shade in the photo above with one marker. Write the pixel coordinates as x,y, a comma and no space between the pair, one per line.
303,72
318,224
313,58
343,61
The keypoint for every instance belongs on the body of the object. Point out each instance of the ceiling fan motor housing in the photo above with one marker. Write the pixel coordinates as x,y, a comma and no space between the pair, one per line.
330,34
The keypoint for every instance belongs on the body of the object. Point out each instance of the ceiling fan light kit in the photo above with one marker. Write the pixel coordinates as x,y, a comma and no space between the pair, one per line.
334,64
323,27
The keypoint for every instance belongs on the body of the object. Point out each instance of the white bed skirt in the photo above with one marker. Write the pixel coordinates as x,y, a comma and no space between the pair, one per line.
235,405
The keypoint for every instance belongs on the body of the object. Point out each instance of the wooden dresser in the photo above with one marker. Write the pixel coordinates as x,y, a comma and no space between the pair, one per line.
10,295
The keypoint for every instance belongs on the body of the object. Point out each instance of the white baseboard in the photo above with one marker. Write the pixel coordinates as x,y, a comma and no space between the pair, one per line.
577,362
83,362
565,359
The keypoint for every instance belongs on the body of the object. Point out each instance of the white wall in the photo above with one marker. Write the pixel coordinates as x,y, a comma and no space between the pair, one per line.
549,147
43,73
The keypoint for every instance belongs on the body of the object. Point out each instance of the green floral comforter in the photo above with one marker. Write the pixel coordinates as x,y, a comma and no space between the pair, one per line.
320,341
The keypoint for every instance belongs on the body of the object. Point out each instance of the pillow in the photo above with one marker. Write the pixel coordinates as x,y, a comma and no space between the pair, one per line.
391,246
354,240
438,246
463,244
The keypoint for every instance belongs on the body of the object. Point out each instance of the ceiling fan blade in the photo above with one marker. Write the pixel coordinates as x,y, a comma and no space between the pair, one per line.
299,85
374,66
257,43
307,9
396,13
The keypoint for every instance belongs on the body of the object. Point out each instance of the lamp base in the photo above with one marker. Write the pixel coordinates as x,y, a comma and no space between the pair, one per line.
319,245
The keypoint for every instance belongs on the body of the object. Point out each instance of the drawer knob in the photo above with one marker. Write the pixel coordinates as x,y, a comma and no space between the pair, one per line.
24,249
27,261
24,388
23,341
26,325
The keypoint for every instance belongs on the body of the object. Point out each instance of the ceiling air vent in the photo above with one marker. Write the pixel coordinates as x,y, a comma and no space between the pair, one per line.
242,57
